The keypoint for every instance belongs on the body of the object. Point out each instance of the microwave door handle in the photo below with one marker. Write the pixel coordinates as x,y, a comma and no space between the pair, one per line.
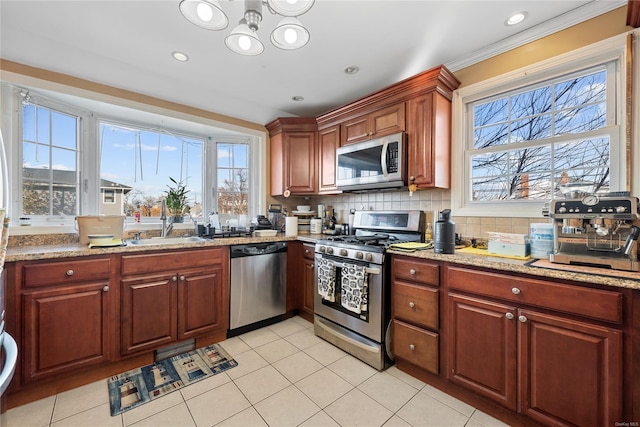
383,158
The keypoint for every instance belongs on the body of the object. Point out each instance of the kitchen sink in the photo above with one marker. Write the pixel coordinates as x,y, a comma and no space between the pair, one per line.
165,240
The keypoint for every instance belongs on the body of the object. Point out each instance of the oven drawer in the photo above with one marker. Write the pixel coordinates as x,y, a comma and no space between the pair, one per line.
415,270
416,346
416,304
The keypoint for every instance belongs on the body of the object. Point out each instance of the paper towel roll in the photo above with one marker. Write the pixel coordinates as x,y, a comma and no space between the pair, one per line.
291,226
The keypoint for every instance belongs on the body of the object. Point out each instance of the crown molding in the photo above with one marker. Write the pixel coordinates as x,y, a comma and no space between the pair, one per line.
551,26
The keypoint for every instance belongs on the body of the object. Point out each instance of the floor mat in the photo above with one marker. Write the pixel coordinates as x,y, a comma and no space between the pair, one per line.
141,385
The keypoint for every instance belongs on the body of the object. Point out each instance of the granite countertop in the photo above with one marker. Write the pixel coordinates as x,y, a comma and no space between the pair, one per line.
606,278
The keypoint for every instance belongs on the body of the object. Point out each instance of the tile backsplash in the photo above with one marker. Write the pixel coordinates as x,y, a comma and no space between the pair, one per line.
428,201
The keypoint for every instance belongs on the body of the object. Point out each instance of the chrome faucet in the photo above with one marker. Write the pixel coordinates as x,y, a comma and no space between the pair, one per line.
166,229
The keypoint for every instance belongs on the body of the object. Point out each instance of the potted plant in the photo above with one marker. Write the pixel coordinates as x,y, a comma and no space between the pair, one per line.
177,200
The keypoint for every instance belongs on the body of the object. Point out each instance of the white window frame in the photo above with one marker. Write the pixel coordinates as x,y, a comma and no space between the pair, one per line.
112,192
612,49
89,197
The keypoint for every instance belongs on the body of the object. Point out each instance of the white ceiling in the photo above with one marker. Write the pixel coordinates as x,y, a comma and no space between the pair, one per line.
128,44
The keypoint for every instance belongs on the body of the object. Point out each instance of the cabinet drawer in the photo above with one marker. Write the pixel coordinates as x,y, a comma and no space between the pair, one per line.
416,304
69,271
416,345
308,252
416,271
575,299
171,261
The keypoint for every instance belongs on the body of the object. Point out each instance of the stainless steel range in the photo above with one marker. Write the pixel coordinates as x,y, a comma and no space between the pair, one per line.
353,289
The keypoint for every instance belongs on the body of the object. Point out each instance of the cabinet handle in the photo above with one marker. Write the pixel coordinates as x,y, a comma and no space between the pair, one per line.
306,251
515,291
69,272
411,179
509,316
174,278
412,347
181,277
105,289
412,304
522,319
412,272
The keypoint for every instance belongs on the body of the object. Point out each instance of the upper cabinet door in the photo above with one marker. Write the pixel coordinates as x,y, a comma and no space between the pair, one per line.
429,141
328,142
300,170
385,121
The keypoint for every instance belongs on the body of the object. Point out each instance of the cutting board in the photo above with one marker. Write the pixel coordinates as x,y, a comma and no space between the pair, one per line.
485,252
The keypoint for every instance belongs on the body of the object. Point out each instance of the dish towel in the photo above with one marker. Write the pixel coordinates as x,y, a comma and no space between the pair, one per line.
354,287
327,279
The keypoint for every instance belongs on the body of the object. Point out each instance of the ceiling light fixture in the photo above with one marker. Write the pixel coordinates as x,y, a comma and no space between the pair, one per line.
351,70
179,56
516,18
289,34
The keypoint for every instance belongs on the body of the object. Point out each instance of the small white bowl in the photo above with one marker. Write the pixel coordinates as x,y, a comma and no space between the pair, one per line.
100,239
303,208
265,233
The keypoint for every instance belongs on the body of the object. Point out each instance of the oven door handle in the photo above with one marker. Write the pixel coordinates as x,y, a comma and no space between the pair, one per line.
368,270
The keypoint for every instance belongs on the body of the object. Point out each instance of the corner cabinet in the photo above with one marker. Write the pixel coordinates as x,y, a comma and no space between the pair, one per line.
543,349
173,296
293,156
67,321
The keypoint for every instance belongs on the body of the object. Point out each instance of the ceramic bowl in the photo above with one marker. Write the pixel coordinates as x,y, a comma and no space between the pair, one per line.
303,208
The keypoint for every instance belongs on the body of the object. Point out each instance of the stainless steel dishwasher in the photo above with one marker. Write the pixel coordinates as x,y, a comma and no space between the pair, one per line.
258,293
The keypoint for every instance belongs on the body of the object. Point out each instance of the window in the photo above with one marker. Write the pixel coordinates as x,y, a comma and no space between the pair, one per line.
143,160
86,157
49,161
532,135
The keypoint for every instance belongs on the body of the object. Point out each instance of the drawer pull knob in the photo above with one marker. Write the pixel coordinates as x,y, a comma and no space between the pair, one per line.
105,289
509,316
69,272
412,272
306,251
515,291
412,304
174,278
412,347
522,319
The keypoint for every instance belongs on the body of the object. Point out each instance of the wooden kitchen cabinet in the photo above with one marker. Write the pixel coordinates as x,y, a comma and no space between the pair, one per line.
293,155
173,296
328,142
429,141
67,319
301,279
385,121
308,280
416,312
560,367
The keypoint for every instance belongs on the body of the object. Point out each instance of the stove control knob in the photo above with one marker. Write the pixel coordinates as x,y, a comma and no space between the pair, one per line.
368,257
359,255
329,250
562,209
322,248
621,209
344,252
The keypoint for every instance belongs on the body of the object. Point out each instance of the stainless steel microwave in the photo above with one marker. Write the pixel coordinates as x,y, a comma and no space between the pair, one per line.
374,164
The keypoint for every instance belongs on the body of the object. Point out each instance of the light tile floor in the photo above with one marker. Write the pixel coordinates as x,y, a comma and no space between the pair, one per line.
286,376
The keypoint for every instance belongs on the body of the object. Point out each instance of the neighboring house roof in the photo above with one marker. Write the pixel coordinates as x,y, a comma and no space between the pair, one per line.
66,178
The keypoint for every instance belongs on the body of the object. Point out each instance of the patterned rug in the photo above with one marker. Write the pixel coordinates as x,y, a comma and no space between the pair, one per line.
141,385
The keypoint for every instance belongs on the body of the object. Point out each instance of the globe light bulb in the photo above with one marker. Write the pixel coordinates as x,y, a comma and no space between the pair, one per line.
244,42
204,12
290,35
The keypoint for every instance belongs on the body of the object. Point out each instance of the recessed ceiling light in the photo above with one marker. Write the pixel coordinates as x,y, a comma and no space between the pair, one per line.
297,98
179,56
516,18
351,70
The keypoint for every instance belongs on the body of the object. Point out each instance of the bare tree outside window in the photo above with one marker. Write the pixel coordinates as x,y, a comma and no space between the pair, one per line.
233,178
525,142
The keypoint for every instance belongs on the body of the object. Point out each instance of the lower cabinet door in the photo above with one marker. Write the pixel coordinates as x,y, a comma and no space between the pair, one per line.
481,351
201,303
148,312
65,329
415,345
570,372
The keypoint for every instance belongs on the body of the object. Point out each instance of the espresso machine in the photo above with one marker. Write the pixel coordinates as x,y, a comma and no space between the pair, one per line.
596,231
